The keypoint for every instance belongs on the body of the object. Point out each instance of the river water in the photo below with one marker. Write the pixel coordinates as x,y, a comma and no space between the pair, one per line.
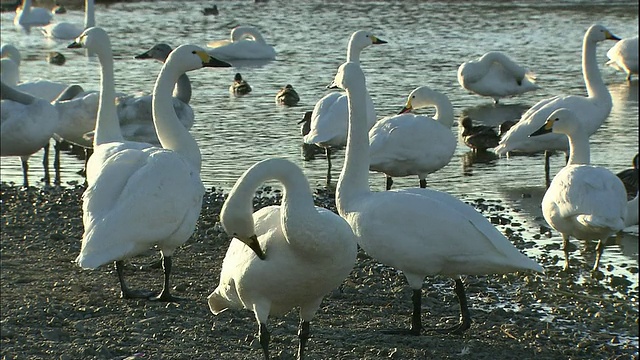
427,41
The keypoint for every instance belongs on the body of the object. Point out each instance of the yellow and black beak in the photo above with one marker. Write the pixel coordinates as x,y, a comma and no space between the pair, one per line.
376,41
545,129
210,61
407,108
610,36
253,243
144,55
74,45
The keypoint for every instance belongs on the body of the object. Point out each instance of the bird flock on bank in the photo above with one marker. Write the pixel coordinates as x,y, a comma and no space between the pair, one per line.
143,185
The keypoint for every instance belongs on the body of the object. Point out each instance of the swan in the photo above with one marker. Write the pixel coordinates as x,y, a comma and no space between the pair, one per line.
140,195
632,211
27,124
623,56
591,110
287,96
584,201
329,120
496,75
309,151
246,43
629,178
239,86
421,232
69,31
478,137
408,144
10,64
160,52
300,251
29,16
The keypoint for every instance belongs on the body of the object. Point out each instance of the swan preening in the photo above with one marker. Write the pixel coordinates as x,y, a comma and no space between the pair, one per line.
592,110
246,43
623,56
408,144
281,257
329,119
496,75
69,31
139,195
584,201
421,232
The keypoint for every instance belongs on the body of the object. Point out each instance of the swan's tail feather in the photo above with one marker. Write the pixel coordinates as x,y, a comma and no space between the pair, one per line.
600,223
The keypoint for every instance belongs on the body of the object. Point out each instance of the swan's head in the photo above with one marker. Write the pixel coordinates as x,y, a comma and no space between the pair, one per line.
11,52
561,121
191,57
420,97
362,38
237,220
158,52
94,39
598,33
348,77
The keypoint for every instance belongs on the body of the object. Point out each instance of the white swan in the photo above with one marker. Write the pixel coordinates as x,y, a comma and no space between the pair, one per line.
629,178
239,86
27,124
408,144
584,201
246,43
591,110
69,31
329,119
421,232
632,212
138,195
496,75
623,56
308,251
29,16
160,52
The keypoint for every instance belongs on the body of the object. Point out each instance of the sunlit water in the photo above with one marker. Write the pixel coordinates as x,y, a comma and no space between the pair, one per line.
427,41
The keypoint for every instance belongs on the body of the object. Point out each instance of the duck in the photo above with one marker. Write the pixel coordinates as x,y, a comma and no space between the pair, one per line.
239,86
287,96
623,56
419,231
210,10
592,110
58,9
27,124
496,75
246,43
139,195
70,31
478,138
629,178
584,201
56,58
408,144
283,256
309,151
329,117
29,16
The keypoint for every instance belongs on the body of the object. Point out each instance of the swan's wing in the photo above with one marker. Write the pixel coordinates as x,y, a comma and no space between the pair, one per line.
43,89
243,50
62,31
77,117
329,121
25,129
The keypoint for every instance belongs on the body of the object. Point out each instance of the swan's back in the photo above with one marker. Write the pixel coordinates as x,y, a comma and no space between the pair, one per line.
624,55
26,128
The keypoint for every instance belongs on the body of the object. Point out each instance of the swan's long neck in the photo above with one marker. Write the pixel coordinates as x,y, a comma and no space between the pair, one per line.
182,91
26,7
171,132
9,93
107,123
444,110
596,88
89,14
354,179
353,53
579,152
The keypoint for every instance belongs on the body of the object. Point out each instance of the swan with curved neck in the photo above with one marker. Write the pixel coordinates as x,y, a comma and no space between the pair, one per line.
329,119
297,252
496,75
29,16
69,31
421,232
408,144
138,195
585,201
246,43
592,110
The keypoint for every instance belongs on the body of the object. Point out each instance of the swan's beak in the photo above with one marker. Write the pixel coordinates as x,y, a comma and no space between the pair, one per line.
210,61
610,36
74,45
377,41
144,55
253,243
545,129
407,108
333,85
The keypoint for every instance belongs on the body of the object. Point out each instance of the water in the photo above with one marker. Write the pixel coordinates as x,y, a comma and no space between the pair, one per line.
427,41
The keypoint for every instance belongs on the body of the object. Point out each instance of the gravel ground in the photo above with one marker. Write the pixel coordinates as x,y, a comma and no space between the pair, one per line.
52,309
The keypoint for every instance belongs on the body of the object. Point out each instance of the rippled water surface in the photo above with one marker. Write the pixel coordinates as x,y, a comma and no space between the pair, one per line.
427,41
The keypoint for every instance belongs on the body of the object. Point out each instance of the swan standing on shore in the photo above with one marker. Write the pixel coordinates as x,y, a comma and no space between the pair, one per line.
69,31
29,16
624,56
246,43
330,118
421,232
496,75
138,195
584,201
408,144
592,110
281,257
